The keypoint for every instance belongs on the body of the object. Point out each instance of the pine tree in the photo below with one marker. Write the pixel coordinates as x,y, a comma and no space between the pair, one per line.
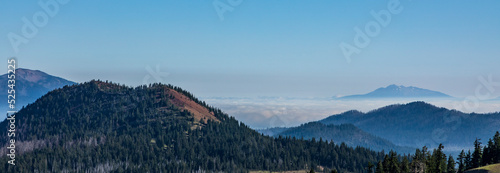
370,167
451,165
477,154
419,160
405,165
438,160
468,161
394,163
488,153
380,168
461,162
386,163
496,148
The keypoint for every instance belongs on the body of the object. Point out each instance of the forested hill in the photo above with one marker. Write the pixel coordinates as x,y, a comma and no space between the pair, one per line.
418,123
347,133
104,127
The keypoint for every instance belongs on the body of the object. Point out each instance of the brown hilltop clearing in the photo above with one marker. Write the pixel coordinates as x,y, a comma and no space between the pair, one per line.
199,112
181,101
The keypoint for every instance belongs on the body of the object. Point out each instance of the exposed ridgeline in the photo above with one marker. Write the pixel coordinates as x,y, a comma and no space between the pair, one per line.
104,127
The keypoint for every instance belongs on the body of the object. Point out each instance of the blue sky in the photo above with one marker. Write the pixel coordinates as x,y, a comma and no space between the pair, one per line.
262,48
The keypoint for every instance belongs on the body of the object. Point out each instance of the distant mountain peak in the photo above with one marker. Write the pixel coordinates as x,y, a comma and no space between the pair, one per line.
399,91
40,78
399,87
395,86
30,85
30,75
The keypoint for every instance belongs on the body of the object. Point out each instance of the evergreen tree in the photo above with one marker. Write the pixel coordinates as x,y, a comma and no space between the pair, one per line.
495,150
451,165
461,162
477,154
437,162
488,153
386,163
370,167
405,165
419,160
468,161
394,165
380,168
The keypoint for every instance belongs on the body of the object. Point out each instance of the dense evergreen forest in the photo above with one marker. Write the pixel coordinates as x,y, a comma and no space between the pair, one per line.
437,162
101,126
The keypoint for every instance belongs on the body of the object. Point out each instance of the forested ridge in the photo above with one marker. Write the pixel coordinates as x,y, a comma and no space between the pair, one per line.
347,133
414,123
102,126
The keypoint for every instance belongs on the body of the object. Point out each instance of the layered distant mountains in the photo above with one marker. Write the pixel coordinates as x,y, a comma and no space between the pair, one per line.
398,91
30,85
411,125
418,123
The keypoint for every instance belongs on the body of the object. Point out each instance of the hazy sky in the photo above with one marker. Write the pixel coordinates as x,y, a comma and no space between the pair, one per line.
260,48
